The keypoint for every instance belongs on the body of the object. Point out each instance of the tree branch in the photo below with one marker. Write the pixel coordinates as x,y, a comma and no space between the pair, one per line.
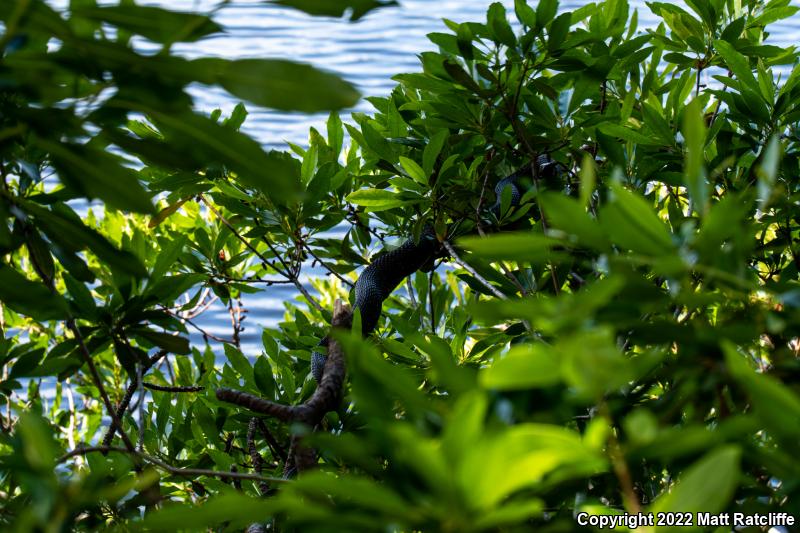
116,421
167,388
185,472
126,399
468,268
326,396
287,273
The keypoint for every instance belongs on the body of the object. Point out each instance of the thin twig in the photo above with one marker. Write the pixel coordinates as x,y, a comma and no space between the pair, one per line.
468,268
116,421
410,290
620,466
168,388
287,273
235,323
185,472
198,328
139,376
327,267
513,279
274,445
126,398
201,307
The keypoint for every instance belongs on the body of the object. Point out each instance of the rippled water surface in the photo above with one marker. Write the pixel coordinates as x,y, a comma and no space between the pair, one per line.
368,53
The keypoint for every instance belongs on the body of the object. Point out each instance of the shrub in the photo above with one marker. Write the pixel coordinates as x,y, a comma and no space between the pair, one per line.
622,339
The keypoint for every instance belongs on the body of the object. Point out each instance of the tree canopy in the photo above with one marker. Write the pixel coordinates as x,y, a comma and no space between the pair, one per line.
624,338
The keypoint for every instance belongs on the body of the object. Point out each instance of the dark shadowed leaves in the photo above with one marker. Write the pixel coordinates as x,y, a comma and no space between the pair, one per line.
28,297
156,24
98,174
66,229
335,8
707,486
279,84
275,174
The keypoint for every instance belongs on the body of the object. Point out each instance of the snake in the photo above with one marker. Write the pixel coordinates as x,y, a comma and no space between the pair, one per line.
382,276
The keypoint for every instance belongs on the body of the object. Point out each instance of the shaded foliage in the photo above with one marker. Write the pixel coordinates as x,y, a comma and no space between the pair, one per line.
623,339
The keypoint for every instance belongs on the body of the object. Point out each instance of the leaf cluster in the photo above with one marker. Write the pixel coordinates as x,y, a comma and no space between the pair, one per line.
623,338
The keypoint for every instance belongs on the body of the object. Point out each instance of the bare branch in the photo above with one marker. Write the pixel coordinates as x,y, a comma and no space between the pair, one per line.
126,399
185,472
328,267
287,272
468,268
325,398
167,388
116,421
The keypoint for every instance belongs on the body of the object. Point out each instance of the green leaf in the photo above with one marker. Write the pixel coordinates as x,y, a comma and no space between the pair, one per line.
694,134
432,151
632,223
499,26
275,174
309,164
500,464
736,62
378,144
66,229
767,171
163,412
777,407
592,363
25,363
365,493
567,215
38,447
525,13
627,134
81,296
239,362
706,10
545,11
40,257
413,169
279,84
97,174
707,486
524,366
335,132
522,246
376,199
513,512
172,343
262,373
588,179
457,72
154,23
30,298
